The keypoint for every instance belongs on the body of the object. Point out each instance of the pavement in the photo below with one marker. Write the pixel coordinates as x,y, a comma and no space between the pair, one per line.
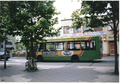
59,72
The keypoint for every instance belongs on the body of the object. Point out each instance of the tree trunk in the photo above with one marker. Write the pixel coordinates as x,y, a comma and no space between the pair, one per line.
115,35
31,51
115,46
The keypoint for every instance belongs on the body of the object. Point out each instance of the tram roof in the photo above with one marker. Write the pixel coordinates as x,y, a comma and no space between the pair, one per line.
69,39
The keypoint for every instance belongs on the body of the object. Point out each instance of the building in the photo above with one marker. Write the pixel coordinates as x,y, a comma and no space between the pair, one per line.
108,42
9,44
106,34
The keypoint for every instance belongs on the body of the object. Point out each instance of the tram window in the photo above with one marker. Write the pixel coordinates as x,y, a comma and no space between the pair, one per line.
40,47
92,45
77,45
50,46
59,46
70,45
65,45
74,45
85,45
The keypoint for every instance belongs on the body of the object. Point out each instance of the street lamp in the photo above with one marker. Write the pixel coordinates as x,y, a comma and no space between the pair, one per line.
5,51
104,38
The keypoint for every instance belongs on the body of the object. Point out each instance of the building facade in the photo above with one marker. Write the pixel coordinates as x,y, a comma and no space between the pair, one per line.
106,34
108,42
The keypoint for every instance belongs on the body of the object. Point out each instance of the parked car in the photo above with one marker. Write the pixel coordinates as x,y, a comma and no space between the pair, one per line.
2,55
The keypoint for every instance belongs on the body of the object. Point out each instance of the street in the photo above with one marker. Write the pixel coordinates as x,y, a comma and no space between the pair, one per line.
49,71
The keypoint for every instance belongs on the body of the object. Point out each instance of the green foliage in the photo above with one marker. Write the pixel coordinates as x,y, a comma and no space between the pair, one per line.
96,14
3,20
33,20
2,38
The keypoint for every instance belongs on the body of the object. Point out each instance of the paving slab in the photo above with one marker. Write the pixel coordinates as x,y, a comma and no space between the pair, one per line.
58,72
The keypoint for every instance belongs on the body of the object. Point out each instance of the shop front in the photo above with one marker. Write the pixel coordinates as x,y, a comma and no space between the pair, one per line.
108,45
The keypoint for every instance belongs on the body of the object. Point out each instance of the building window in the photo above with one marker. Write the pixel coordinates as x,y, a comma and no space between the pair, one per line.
66,30
110,25
86,28
98,29
77,30
1,46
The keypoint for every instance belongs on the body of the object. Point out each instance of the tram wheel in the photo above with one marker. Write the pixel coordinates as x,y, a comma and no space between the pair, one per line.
75,58
40,58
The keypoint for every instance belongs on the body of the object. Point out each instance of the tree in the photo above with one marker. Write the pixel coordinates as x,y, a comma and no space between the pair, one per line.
32,17
32,20
3,20
99,13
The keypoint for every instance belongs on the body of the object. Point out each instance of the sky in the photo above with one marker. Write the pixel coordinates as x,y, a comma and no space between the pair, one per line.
66,7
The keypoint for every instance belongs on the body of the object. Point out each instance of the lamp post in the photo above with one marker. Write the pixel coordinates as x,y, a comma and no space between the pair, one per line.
5,52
